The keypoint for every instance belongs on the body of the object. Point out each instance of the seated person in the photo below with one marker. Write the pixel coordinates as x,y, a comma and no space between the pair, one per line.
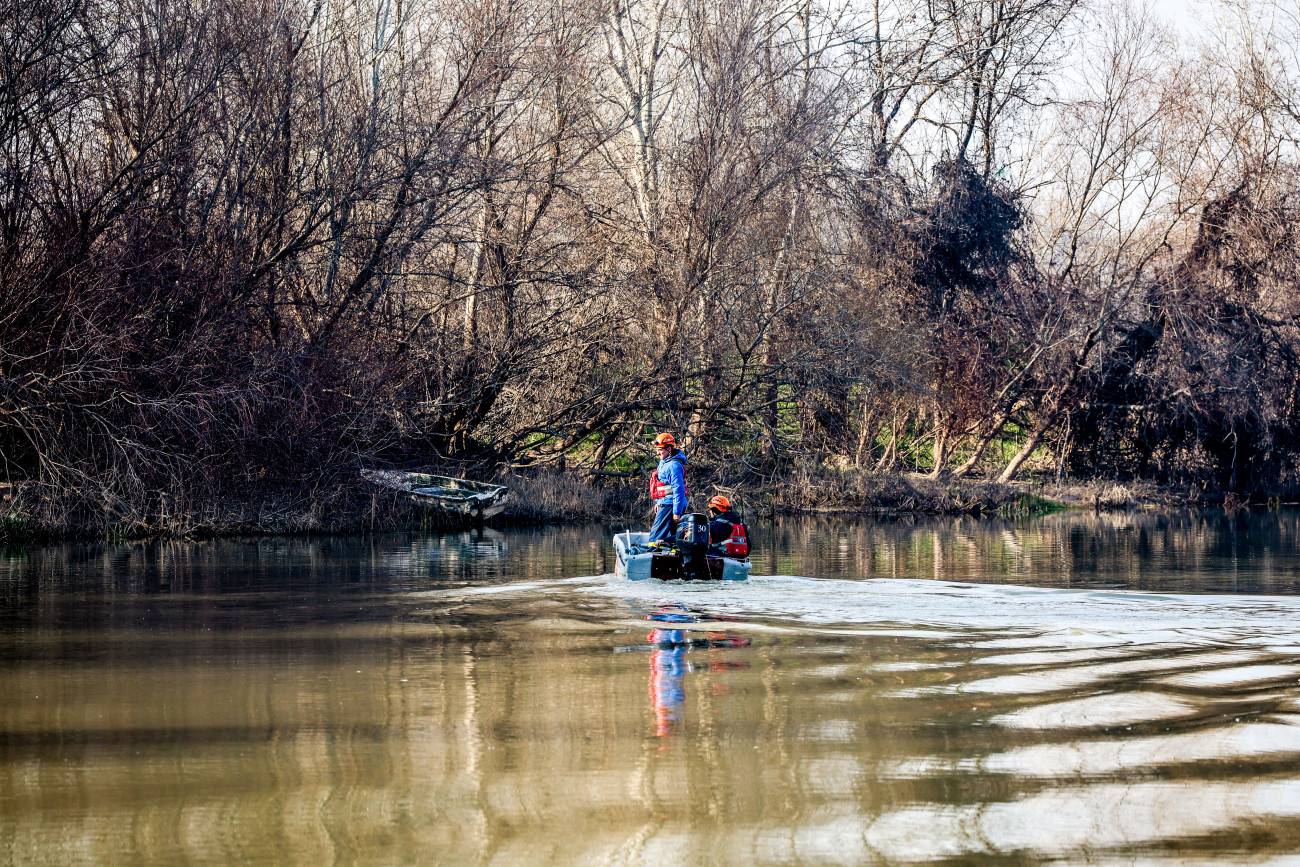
728,535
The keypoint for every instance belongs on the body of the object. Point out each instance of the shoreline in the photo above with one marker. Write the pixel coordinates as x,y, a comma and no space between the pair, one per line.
574,496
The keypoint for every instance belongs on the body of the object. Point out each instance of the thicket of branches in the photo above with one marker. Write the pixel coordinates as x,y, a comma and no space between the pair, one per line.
246,242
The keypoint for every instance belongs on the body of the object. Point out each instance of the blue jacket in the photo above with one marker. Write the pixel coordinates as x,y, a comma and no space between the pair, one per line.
672,475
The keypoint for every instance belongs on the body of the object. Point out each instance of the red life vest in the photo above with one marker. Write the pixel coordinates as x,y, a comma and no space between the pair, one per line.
738,543
658,490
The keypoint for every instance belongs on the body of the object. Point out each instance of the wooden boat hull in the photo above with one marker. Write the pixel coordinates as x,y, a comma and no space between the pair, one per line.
634,562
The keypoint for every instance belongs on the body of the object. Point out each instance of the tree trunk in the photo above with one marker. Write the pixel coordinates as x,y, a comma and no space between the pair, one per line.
1049,419
476,268
981,445
866,436
940,453
889,460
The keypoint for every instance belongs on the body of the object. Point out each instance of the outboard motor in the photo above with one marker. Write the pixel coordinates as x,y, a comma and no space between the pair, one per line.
693,529
693,540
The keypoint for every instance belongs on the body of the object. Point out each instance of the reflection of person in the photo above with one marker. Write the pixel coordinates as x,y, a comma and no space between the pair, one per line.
667,488
728,535
668,668
667,690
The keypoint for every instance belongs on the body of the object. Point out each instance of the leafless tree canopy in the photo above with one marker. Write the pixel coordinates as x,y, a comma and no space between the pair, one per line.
263,241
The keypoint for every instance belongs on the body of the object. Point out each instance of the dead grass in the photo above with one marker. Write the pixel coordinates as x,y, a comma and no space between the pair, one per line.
32,514
353,506
1105,495
558,496
828,490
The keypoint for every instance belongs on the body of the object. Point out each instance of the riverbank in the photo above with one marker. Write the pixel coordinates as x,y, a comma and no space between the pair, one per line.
557,496
350,505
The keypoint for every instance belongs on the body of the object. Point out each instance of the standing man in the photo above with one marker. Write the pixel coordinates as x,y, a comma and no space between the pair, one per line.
667,488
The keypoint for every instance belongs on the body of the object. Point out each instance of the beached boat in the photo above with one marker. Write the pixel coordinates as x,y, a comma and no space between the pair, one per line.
457,498
637,561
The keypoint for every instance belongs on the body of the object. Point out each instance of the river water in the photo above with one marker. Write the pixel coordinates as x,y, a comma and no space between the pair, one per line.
1076,688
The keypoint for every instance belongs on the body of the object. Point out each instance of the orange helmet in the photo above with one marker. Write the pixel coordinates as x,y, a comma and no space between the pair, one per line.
665,439
722,504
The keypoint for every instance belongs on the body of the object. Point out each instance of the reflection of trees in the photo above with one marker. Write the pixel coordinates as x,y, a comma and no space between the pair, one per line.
1136,549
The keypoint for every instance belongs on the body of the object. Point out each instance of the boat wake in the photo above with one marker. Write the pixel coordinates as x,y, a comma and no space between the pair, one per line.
994,615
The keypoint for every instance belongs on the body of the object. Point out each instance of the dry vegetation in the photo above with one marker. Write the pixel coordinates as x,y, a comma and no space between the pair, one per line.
247,248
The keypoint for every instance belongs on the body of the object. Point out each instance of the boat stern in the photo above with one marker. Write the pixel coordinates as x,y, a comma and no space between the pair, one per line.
631,563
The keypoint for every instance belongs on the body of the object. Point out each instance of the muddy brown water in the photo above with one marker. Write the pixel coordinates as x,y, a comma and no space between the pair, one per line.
1075,688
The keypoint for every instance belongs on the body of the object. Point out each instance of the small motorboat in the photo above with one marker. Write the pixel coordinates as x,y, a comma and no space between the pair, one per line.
455,498
638,560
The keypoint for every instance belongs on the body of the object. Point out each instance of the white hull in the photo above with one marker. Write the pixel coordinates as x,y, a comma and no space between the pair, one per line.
636,564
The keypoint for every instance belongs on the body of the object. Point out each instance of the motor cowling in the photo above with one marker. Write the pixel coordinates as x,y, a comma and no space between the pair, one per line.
693,529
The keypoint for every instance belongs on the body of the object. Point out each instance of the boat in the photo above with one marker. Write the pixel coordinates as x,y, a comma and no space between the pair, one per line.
637,561
456,498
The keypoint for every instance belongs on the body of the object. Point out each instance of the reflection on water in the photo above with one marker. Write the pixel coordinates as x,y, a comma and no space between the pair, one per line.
1079,688
668,664
1188,552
